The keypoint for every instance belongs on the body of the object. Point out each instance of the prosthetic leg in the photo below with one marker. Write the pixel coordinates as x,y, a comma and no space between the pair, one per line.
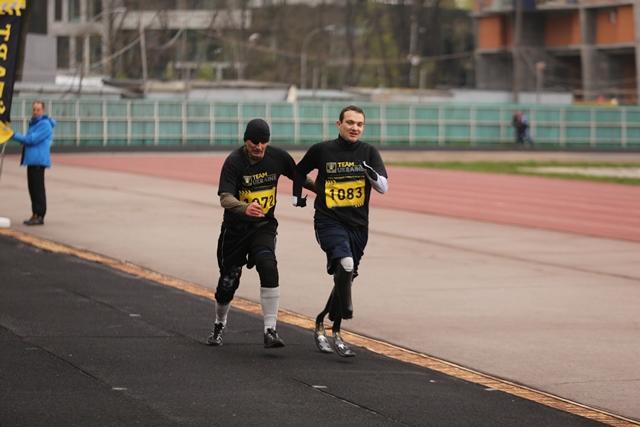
339,306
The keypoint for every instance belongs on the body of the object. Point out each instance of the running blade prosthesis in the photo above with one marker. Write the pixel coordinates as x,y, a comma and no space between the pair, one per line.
341,347
322,342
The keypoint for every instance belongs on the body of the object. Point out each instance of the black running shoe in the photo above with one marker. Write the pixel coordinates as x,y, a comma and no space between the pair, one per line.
320,336
272,340
215,337
341,347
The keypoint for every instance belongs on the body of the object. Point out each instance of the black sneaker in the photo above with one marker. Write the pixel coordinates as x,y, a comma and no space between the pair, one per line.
215,337
320,336
272,340
34,220
341,347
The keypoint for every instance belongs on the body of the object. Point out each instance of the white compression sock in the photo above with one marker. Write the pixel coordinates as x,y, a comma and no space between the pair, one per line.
221,312
270,299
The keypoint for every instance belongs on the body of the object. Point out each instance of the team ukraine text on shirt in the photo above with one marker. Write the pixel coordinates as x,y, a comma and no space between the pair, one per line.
265,196
344,190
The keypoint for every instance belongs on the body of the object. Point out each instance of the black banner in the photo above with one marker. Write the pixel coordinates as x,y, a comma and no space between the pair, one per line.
11,21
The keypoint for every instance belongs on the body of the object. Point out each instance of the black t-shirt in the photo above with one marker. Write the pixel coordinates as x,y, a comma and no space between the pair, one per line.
342,188
248,182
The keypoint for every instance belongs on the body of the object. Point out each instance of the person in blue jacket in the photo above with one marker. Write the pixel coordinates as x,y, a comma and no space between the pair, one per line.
36,146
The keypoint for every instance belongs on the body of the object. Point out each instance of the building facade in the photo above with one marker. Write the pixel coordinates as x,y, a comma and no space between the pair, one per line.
588,47
110,37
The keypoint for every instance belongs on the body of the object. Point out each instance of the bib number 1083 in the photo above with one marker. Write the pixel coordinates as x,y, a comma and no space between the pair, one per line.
344,193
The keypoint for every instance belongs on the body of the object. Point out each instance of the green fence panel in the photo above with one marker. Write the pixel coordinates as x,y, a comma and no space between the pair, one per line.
251,111
608,135
486,132
65,128
60,109
608,116
282,111
117,109
426,113
88,122
394,131
457,113
169,110
283,130
89,109
551,115
401,112
142,128
198,110
310,112
311,130
371,130
117,129
92,129
488,115
169,129
457,133
576,116
198,129
225,111
226,130
547,133
142,109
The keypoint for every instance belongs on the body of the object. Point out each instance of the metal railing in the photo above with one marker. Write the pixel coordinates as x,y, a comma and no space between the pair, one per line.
117,123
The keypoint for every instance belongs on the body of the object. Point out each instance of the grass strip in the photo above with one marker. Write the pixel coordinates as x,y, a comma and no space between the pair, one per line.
523,168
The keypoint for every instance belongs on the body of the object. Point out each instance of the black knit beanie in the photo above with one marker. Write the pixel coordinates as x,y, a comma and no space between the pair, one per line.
257,131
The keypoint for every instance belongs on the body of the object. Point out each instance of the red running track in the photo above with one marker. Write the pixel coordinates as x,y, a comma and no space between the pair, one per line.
589,208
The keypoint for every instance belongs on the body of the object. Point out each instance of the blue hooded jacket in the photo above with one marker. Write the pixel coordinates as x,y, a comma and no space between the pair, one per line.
36,143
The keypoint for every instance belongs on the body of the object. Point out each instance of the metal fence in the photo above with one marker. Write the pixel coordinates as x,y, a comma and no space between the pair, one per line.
139,123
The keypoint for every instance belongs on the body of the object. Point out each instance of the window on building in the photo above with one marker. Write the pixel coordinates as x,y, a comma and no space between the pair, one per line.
74,10
613,16
62,60
57,16
95,52
37,22
94,9
79,49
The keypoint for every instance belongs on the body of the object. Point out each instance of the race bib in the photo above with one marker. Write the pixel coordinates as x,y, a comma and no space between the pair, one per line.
340,194
266,198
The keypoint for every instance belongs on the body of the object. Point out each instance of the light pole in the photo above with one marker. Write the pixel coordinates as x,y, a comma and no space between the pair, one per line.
303,52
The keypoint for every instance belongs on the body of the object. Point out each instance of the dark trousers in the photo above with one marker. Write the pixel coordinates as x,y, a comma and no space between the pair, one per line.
35,181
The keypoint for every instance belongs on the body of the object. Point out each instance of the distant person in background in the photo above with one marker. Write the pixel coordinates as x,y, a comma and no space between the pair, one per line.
36,147
520,125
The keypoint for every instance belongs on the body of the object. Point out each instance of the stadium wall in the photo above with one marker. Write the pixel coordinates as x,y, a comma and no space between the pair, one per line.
112,124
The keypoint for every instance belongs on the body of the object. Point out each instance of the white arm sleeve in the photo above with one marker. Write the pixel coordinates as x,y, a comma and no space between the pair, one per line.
380,185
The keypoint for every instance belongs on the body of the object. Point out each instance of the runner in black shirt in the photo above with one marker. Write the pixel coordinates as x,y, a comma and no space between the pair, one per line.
347,170
247,190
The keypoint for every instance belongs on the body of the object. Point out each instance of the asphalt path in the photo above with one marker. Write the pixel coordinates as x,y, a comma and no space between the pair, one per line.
553,310
82,345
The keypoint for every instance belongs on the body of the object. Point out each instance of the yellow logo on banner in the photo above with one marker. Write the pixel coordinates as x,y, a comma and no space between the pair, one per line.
10,7
5,132
340,194
266,198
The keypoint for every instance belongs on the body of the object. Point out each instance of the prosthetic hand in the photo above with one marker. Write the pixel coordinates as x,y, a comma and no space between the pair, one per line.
371,173
299,202
378,182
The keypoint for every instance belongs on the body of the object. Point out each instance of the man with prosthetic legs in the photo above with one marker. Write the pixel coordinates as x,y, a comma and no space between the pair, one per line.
247,190
347,171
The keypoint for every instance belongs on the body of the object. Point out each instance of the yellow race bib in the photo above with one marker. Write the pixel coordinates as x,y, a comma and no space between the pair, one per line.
340,194
266,198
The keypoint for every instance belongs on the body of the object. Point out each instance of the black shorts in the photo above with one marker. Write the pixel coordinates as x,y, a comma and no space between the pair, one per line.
339,241
237,242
